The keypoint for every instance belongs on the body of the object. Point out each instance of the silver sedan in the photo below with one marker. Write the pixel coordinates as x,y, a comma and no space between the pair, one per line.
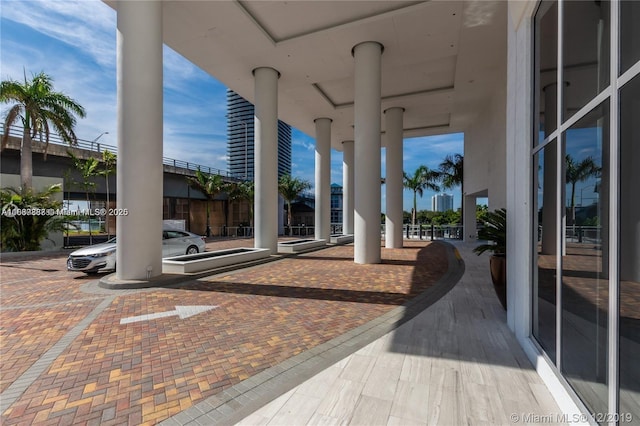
102,257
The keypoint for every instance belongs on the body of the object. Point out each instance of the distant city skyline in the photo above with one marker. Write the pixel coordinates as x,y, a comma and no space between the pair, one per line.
35,37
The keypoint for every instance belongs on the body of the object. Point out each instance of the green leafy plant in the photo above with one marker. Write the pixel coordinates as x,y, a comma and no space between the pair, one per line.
494,232
36,219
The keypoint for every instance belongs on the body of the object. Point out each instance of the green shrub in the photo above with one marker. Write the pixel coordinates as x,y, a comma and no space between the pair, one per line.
24,232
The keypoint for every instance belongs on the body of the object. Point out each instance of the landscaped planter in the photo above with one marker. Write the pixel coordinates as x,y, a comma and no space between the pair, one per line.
297,246
190,263
341,239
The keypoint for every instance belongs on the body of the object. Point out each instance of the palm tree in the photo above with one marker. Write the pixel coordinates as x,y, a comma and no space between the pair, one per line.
40,110
422,178
210,185
579,172
451,172
88,170
290,188
109,161
244,190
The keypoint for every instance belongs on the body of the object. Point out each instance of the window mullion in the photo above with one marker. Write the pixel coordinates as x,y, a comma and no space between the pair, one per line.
614,223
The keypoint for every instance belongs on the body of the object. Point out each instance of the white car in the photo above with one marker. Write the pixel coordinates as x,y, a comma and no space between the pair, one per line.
102,257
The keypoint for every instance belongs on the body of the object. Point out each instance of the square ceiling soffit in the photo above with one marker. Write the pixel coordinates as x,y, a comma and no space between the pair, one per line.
345,24
393,97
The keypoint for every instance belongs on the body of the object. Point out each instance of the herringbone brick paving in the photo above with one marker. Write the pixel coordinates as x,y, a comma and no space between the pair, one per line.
144,372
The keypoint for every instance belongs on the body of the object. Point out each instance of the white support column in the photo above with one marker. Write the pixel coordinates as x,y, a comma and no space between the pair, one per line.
139,177
395,189
469,219
368,82
347,187
266,158
323,179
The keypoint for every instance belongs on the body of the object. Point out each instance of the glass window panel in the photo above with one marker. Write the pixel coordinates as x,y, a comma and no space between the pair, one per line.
585,258
585,52
546,33
629,34
630,251
544,222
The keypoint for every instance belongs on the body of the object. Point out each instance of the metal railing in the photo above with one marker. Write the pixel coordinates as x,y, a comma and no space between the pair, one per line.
429,232
179,166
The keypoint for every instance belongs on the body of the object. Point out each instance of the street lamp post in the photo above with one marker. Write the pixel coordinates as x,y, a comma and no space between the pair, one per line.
96,140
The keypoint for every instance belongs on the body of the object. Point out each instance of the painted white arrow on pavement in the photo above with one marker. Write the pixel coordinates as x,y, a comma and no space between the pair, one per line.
181,311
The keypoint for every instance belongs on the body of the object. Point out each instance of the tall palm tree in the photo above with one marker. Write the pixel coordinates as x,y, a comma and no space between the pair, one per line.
290,188
40,110
244,190
210,186
579,172
109,161
88,169
422,178
452,174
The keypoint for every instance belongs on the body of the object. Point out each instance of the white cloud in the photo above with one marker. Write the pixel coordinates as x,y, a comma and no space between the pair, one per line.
88,25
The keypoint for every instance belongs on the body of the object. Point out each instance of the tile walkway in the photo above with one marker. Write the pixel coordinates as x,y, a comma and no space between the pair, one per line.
455,363
68,357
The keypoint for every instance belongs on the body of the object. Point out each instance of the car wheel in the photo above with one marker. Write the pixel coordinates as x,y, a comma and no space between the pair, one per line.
192,250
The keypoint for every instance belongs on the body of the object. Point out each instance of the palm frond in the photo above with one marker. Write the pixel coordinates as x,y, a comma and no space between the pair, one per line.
494,232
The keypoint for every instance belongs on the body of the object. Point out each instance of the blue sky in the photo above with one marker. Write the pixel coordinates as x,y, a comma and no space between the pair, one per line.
75,43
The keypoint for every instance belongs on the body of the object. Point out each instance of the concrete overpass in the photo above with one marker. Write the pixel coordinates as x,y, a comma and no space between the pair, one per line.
58,163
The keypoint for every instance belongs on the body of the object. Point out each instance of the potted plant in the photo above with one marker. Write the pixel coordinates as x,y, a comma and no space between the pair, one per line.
495,235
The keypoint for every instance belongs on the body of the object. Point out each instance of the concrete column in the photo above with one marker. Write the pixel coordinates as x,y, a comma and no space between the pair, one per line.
323,179
139,177
266,158
347,187
469,219
368,81
394,184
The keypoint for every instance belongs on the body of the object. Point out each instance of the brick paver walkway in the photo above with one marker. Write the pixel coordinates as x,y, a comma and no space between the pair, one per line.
67,359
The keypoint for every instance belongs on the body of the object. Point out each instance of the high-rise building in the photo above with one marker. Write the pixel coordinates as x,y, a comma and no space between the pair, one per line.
240,139
336,204
441,202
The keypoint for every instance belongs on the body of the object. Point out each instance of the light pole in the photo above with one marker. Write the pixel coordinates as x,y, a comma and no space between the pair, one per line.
96,139
244,123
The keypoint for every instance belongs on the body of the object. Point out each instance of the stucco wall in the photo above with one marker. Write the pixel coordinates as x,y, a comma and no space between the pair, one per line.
485,152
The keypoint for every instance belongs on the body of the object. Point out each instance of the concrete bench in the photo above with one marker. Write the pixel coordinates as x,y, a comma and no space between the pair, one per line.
341,239
297,246
191,263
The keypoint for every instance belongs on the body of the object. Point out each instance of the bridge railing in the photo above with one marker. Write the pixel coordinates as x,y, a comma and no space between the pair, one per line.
179,166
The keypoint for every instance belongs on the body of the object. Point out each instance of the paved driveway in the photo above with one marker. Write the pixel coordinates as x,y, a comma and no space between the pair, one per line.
69,358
